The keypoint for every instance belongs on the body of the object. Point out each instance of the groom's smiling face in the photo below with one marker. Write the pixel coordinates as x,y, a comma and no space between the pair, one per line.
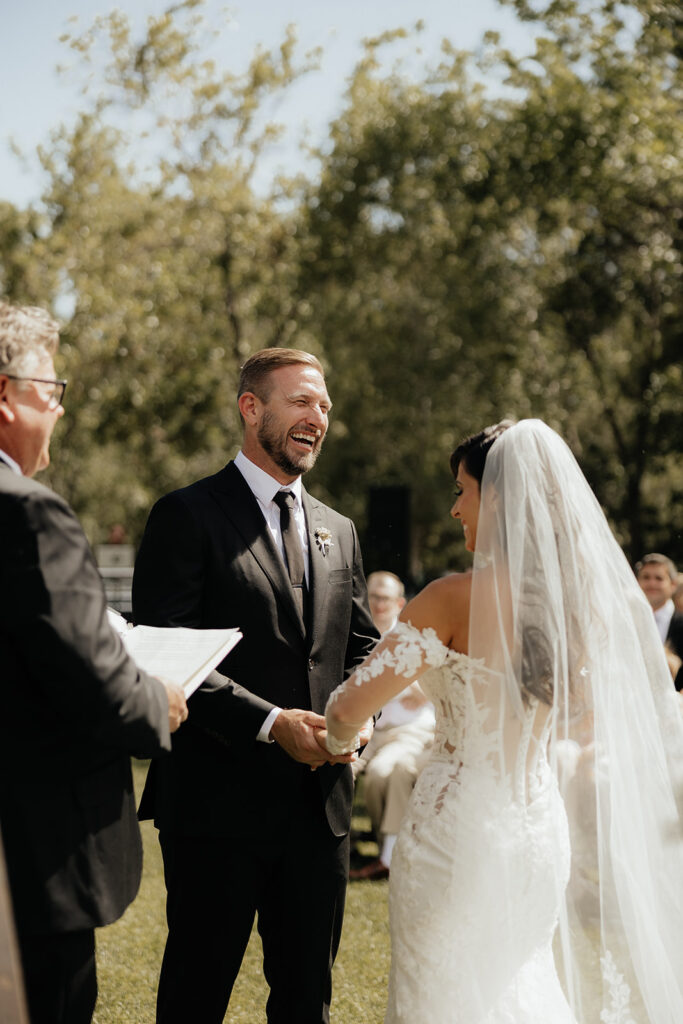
291,423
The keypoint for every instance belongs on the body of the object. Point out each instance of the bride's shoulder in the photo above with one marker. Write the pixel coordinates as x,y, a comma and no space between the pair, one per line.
441,606
447,592
453,582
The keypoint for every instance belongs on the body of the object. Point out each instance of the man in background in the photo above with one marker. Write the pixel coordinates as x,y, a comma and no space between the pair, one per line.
74,704
658,580
397,751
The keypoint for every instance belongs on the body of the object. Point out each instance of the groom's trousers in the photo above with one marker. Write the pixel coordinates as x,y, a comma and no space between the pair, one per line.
295,883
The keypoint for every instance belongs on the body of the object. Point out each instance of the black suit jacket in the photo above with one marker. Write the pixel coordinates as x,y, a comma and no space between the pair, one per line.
74,707
207,560
674,638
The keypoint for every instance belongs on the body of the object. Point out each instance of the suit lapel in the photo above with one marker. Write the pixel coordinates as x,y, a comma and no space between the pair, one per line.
238,504
318,564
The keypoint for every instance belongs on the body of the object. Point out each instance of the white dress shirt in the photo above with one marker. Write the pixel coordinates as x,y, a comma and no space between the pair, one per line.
264,488
10,462
663,617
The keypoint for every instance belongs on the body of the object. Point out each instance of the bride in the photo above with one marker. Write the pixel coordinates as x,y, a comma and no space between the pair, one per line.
538,876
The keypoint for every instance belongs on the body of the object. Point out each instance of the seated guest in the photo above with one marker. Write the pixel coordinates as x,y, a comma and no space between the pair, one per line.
658,580
403,733
75,706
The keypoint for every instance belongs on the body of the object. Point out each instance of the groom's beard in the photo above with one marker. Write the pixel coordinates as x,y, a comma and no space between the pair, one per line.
293,463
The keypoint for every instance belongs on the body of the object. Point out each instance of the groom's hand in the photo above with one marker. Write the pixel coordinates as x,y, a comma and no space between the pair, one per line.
296,732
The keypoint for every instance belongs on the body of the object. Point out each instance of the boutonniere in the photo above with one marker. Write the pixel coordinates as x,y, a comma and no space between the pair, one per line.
323,539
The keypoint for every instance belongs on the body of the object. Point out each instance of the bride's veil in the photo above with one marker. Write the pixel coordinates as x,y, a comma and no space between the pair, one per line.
558,616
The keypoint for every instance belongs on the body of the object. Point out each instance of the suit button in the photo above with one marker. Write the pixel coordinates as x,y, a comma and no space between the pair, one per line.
311,664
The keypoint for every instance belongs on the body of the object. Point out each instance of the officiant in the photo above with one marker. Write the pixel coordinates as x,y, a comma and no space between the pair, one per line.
74,704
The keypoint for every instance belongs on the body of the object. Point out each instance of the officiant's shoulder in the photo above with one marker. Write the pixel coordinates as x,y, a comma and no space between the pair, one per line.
37,506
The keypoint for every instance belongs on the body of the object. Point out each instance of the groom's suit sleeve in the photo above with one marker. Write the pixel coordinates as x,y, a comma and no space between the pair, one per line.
167,591
363,633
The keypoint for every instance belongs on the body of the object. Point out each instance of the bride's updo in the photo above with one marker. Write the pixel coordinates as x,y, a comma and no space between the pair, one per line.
473,450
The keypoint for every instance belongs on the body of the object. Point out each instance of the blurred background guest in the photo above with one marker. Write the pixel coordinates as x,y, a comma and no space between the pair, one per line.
658,579
392,760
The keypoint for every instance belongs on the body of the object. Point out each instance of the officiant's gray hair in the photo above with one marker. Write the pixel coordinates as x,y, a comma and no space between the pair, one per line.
27,335
258,367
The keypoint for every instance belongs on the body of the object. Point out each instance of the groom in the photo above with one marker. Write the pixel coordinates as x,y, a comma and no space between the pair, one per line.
253,817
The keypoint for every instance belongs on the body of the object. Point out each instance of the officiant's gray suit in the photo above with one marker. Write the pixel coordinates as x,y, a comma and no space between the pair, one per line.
74,707
231,809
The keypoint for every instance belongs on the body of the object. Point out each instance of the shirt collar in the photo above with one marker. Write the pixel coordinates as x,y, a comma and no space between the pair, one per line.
263,486
10,462
664,614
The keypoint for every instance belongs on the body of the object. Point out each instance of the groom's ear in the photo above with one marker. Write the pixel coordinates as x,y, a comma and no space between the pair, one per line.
249,405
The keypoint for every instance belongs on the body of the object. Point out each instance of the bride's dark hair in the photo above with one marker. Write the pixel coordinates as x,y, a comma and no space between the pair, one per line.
536,651
473,450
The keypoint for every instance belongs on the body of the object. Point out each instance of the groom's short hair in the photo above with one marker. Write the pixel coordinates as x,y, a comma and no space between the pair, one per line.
258,368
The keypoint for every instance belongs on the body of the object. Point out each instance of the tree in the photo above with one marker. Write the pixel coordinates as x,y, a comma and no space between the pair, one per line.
412,288
465,254
170,268
523,250
598,157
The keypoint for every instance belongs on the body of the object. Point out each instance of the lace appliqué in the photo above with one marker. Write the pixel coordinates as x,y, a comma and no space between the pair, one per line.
337,747
406,656
404,651
619,1011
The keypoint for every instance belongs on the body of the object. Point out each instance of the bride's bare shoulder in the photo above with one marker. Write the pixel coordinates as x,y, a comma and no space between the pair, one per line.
443,605
455,587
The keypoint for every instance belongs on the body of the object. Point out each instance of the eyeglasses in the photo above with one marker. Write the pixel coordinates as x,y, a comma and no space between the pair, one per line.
56,395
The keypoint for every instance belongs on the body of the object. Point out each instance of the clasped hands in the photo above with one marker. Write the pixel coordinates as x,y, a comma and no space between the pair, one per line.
302,734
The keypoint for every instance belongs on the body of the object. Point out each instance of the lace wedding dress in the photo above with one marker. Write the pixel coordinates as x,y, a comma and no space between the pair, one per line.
460,950
508,894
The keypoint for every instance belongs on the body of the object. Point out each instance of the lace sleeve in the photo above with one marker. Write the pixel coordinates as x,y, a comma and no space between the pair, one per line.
404,653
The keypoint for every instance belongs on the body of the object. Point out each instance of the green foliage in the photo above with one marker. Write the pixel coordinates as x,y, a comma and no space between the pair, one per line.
463,255
524,252
171,269
600,138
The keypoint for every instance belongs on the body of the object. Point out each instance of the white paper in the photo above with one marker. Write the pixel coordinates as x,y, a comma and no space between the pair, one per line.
117,621
181,655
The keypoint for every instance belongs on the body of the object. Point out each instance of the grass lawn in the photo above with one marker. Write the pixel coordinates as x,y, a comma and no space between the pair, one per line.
129,953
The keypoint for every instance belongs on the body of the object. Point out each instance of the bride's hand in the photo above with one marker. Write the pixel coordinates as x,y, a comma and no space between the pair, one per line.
361,738
366,732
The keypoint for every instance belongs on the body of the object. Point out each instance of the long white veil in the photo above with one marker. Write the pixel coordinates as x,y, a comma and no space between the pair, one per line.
557,614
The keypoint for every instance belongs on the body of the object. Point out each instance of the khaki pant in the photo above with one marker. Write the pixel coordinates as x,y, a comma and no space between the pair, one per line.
390,765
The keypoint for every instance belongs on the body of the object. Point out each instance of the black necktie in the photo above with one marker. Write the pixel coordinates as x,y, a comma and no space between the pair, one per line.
292,544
